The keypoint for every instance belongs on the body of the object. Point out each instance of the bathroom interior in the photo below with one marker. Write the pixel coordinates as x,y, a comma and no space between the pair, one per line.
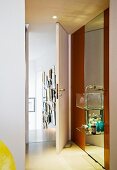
92,100
94,45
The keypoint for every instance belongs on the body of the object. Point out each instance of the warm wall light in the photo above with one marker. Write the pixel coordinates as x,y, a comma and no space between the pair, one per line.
54,17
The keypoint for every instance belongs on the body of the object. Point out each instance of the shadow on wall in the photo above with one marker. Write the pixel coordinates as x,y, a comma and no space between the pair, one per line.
6,159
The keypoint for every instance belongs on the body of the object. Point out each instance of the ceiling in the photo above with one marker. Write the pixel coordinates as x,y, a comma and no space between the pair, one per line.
96,23
72,14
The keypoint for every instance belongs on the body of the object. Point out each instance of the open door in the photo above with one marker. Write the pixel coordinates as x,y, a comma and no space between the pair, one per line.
62,112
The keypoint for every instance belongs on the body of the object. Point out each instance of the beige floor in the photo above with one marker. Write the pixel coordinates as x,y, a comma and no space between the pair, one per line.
96,152
42,135
42,156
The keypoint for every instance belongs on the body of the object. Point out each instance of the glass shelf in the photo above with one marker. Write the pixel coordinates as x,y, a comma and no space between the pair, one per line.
93,104
89,101
97,133
92,99
88,133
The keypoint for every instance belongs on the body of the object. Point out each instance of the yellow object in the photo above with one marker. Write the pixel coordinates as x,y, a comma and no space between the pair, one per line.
6,159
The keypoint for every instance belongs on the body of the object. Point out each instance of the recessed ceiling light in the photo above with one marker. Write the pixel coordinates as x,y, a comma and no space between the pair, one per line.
54,17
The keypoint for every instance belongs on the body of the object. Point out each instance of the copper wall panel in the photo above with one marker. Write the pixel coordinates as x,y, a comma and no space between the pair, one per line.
77,85
106,88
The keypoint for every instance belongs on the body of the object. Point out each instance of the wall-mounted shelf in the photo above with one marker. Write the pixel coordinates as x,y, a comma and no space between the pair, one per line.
92,99
92,102
87,133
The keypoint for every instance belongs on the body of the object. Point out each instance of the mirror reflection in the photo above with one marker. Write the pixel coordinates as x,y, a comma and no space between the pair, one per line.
94,31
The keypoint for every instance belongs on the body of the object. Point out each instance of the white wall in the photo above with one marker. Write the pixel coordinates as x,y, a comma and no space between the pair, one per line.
26,86
42,45
39,123
113,84
35,91
32,93
32,79
12,78
94,57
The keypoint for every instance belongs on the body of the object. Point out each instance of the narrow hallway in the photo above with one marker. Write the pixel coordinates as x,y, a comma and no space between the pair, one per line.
42,156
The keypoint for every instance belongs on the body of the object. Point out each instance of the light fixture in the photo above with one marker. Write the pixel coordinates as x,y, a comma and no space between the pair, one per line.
54,17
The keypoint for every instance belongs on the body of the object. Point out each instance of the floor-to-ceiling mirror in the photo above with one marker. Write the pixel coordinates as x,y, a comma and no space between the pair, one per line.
94,56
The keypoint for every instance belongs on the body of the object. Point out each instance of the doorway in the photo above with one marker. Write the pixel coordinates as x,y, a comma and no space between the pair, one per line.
42,78
54,86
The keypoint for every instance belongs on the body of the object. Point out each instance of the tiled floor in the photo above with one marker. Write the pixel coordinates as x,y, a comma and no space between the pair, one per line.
42,156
